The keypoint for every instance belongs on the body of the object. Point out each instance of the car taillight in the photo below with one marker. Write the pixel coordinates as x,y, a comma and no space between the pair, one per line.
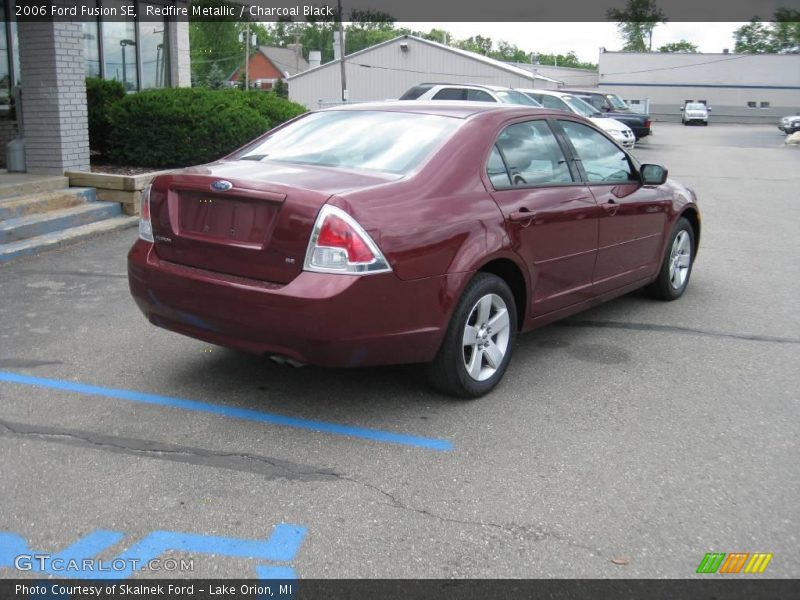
339,244
145,224
647,123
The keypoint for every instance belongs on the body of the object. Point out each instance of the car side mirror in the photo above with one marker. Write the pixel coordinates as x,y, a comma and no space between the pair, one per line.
681,109
708,108
653,174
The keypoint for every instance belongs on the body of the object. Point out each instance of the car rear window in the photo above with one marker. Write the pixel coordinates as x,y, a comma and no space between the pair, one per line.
392,142
415,92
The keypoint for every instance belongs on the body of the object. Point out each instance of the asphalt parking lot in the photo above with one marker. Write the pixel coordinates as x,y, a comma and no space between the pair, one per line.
627,441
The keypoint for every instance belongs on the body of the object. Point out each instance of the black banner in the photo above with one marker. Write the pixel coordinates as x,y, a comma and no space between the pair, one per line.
399,10
711,588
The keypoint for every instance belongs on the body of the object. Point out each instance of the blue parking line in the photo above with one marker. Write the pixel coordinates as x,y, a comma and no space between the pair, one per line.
247,414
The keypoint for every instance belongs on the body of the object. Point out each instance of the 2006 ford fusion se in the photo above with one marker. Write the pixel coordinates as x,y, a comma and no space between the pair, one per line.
403,232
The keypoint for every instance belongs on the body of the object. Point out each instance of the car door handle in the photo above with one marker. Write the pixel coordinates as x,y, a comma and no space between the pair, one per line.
610,207
523,214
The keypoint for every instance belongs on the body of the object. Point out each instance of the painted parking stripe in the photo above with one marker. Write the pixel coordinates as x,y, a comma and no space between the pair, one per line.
247,414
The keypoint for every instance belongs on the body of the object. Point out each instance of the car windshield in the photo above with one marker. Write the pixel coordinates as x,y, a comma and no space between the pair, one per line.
393,142
617,102
695,106
582,108
515,97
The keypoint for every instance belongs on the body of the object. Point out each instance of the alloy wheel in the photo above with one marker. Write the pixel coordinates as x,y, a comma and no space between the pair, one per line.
486,336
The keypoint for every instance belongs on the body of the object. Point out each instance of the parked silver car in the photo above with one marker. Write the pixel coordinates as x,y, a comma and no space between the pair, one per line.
621,133
790,124
695,112
472,92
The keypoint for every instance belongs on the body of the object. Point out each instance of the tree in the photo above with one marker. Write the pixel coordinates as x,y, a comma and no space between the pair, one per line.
682,46
216,77
781,36
477,44
636,23
213,41
281,89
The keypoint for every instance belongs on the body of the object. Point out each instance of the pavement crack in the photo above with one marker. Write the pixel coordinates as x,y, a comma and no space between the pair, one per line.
273,468
677,329
536,534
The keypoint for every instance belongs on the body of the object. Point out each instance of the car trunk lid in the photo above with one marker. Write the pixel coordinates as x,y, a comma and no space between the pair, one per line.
257,228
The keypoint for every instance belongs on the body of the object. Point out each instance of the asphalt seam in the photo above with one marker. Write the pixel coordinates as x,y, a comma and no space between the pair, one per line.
201,456
677,329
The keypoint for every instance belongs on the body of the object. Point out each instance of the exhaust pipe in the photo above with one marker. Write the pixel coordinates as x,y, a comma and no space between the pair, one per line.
282,360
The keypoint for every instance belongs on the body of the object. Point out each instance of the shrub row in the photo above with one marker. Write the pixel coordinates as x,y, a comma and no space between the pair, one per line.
178,127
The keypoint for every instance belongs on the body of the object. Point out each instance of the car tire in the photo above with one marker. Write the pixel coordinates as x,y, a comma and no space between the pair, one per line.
474,355
676,268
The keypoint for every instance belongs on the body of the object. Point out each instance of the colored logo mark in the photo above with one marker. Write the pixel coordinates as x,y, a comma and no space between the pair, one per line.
281,547
734,562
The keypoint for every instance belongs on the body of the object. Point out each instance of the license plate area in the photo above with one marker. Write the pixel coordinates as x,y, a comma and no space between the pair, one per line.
213,217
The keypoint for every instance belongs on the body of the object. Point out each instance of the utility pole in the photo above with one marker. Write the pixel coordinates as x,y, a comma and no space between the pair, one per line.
341,52
247,56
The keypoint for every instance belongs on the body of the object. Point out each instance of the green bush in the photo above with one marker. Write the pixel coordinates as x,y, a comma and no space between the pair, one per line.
278,110
179,127
101,95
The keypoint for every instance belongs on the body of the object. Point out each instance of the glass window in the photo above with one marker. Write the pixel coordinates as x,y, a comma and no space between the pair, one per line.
515,97
153,50
617,102
91,48
479,96
751,104
596,101
764,105
554,103
451,94
602,159
5,75
533,155
356,139
496,170
581,107
119,48
415,92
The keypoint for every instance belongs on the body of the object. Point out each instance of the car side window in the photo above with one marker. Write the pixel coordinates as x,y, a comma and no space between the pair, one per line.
602,159
496,170
532,155
479,96
451,94
554,103
596,101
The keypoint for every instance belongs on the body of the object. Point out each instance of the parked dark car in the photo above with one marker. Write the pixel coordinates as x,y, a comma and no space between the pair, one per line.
615,107
408,232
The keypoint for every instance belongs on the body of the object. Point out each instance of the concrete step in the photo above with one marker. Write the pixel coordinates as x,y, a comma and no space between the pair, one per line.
31,204
22,184
57,239
13,230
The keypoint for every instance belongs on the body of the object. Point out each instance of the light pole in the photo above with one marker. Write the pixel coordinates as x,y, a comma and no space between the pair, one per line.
247,41
125,44
341,52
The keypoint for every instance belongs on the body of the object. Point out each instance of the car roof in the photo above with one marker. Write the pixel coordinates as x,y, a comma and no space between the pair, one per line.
557,93
580,91
460,109
467,85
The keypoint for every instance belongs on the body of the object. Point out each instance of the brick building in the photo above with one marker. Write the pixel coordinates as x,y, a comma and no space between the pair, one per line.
270,64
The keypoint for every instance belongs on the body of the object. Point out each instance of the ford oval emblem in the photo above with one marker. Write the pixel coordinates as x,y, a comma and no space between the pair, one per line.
221,185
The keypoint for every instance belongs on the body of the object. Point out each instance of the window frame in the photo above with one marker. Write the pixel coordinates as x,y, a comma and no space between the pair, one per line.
569,156
138,49
634,164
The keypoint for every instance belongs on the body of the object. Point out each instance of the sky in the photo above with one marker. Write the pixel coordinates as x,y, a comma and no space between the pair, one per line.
585,39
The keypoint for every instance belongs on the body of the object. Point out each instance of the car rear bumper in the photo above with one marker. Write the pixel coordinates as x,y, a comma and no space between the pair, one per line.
323,319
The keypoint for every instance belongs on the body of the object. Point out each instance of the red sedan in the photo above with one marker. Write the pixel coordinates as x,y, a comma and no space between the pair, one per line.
408,232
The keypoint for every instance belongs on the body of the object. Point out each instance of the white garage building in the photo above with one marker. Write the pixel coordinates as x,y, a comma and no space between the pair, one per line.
740,88
386,70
